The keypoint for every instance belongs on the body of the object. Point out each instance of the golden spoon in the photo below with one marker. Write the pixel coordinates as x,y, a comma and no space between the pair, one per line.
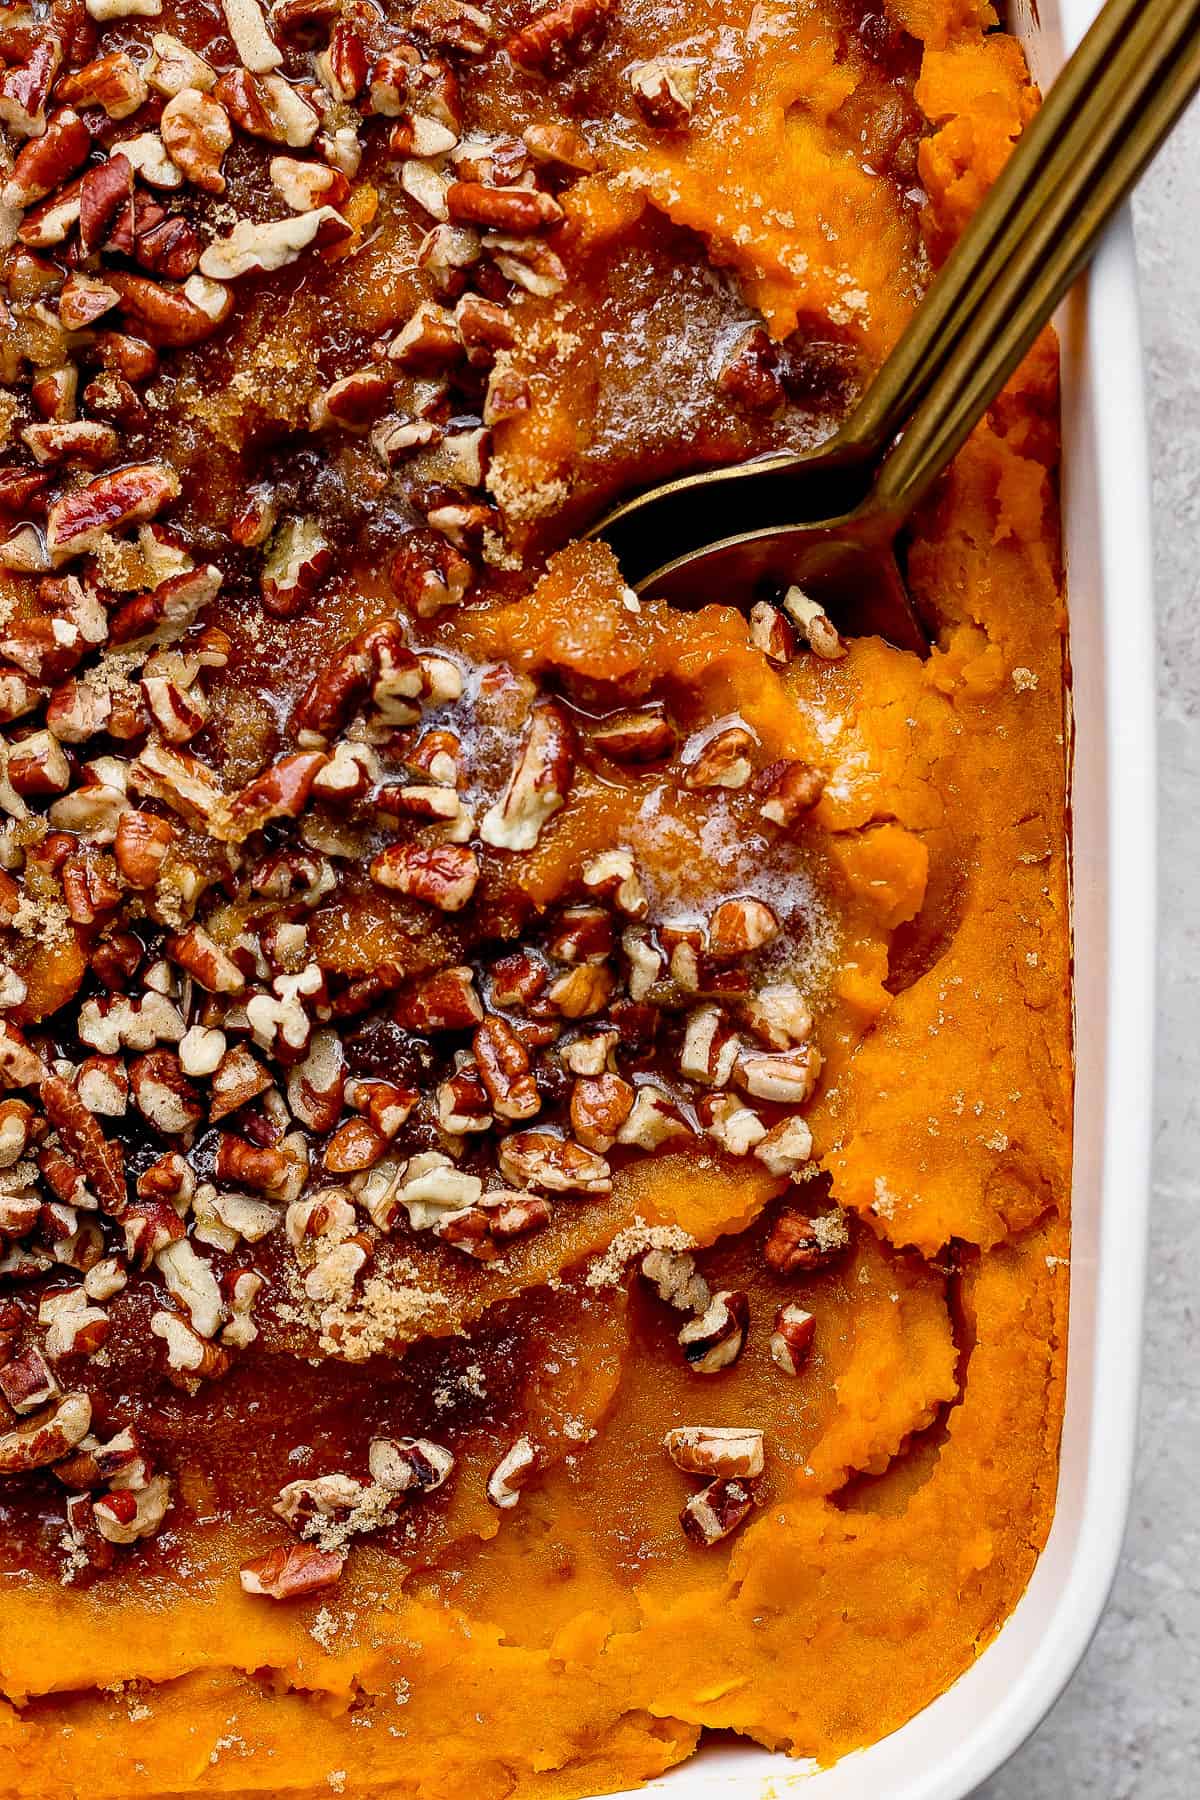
827,519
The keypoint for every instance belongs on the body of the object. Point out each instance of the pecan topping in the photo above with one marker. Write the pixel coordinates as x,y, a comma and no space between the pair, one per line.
539,784
442,875
47,1437
724,1450
798,1244
511,1474
292,1571
715,1512
561,36
714,1341
197,133
792,1338
665,91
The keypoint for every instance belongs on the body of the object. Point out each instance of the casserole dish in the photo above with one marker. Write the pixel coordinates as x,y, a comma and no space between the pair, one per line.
374,960
965,1735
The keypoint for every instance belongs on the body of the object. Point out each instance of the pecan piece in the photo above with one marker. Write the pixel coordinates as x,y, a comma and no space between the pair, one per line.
725,1450
504,1070
45,162
561,36
538,1159
715,1340
292,1571
442,875
798,1244
790,790
792,1338
511,1473
520,211
408,1466
46,1438
814,625
539,783
715,1512
196,131
664,89
128,496
113,82
82,1138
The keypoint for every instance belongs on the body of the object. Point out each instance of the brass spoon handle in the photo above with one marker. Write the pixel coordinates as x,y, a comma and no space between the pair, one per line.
1146,84
922,352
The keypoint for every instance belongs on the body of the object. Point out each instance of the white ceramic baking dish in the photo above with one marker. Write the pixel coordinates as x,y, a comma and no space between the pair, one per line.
965,1735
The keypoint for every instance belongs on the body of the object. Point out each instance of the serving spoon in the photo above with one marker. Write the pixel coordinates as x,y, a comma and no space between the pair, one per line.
827,519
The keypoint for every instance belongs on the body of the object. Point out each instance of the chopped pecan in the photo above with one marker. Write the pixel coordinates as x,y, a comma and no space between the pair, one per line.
305,186
196,131
252,248
163,1094
342,66
641,736
720,760
316,1084
724,1450
113,82
517,211
428,573
664,89
169,315
82,1138
267,107
354,402
280,792
78,520
45,162
297,562
715,1340
25,84
800,1244
792,1338
790,790
504,1069
105,200
205,961
814,625
442,875
292,1571
444,1001
454,23
786,1147
771,633
600,1105
173,67
408,1466
539,783
123,1516
511,1474
27,1381
715,1512
539,1159
239,1078
251,39
561,36
787,1076
46,1438
739,927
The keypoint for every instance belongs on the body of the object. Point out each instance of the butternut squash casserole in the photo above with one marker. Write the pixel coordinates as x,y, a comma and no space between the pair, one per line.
534,1144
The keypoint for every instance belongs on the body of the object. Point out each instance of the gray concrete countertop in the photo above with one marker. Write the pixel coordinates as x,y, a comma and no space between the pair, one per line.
1129,1724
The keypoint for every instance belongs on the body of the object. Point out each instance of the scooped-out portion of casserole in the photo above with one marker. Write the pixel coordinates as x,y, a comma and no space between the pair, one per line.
535,1124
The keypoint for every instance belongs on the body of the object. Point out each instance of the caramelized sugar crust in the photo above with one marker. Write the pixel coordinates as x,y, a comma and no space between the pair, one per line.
535,1133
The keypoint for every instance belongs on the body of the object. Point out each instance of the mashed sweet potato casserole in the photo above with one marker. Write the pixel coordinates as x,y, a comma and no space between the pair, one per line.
535,1125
